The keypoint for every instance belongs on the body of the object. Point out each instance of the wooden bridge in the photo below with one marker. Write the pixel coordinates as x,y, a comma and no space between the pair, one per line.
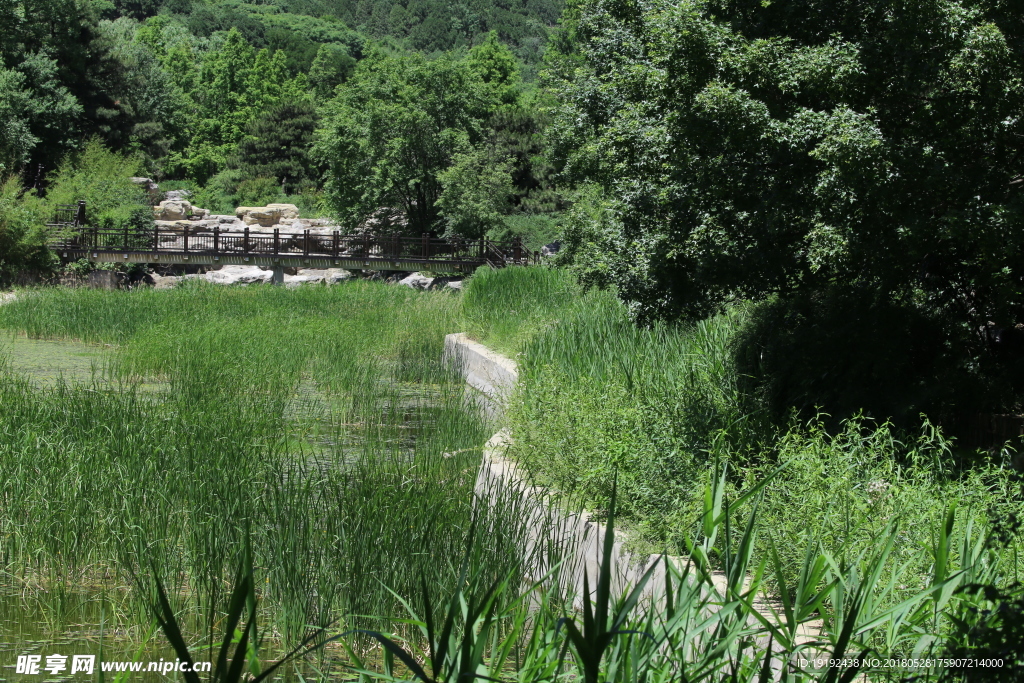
71,238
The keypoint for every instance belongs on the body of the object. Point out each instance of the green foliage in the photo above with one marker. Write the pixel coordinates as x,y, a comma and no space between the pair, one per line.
331,67
16,139
258,191
507,308
477,189
277,146
235,84
146,90
398,123
100,177
495,65
845,351
799,149
348,436
601,401
22,235
534,230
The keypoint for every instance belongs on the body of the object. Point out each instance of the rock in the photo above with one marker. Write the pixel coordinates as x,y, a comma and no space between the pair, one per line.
172,210
289,211
177,195
328,276
417,281
257,215
454,282
164,281
336,275
305,277
268,215
149,186
239,275
200,213
551,249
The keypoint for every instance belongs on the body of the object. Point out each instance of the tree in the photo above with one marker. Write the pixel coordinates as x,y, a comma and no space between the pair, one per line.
476,194
331,67
277,145
22,236
16,139
235,85
398,123
743,148
815,155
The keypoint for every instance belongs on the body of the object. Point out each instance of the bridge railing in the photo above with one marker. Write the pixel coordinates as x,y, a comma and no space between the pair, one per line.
68,216
314,243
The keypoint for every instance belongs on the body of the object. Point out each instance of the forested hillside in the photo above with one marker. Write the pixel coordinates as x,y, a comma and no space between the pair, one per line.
225,97
857,174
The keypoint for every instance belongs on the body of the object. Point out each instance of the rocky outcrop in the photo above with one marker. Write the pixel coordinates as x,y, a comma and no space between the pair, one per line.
421,281
251,275
177,195
239,275
267,216
172,210
305,276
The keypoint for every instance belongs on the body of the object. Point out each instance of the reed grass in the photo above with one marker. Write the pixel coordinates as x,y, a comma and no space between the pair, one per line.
317,424
317,432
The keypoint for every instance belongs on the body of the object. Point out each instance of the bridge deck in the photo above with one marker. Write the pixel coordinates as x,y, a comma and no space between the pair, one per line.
269,248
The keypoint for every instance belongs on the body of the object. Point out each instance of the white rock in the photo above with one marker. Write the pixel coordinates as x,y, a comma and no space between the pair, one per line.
164,281
285,210
177,195
336,275
417,281
172,210
239,275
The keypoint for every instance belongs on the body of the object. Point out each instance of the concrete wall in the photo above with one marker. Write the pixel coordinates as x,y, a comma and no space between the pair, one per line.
492,377
578,537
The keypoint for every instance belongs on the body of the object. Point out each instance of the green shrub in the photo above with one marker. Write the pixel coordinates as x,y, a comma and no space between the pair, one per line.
258,192
535,230
100,177
22,231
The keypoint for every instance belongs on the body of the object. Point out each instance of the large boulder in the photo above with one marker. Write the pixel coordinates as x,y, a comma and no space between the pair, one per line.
239,275
267,216
289,211
417,281
172,210
328,276
177,195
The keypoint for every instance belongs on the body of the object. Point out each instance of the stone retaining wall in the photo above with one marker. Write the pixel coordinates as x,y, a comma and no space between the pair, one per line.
492,377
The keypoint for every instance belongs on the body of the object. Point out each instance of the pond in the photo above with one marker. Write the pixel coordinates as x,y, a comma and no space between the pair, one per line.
352,488
45,362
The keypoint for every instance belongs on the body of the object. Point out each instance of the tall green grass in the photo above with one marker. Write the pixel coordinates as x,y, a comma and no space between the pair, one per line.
319,426
601,400
506,308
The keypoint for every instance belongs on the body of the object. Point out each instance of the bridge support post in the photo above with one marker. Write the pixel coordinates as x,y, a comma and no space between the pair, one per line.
278,271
